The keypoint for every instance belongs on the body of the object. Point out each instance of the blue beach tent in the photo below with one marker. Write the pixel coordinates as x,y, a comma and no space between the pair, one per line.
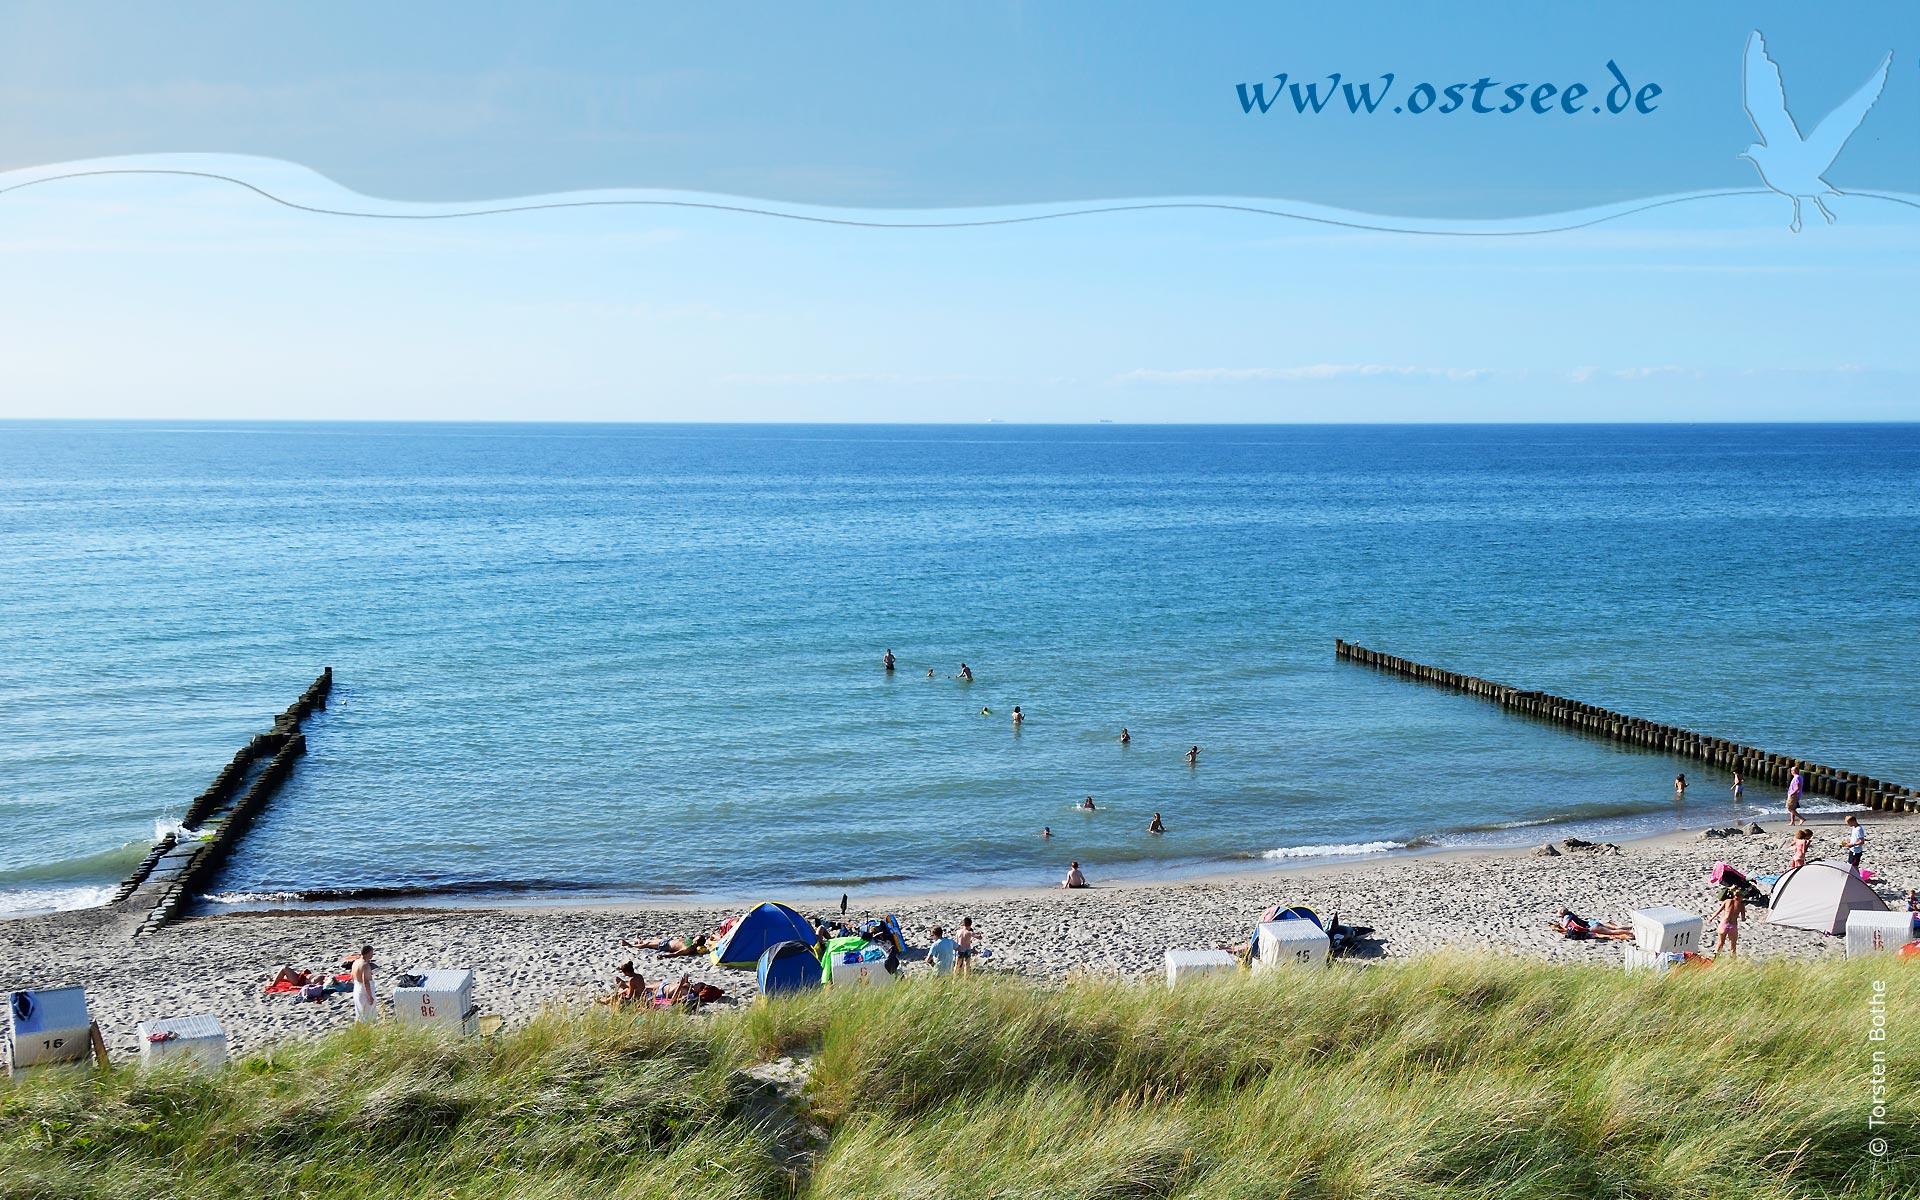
788,967
758,930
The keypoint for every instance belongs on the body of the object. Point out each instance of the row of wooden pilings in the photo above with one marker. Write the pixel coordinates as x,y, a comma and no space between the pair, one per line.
178,869
1751,762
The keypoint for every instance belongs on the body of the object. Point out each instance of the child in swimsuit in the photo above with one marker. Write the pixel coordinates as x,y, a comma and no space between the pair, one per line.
1729,913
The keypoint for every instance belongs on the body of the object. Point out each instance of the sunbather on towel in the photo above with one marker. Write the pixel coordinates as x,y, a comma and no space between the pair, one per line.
286,979
1576,927
673,947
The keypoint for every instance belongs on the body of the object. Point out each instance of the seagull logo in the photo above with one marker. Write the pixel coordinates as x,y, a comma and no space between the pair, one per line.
1788,162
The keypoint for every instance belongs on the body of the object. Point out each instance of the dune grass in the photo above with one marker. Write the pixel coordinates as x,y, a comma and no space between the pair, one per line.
1439,1077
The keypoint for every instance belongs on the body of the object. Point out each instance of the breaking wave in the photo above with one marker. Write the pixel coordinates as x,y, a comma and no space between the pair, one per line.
1339,850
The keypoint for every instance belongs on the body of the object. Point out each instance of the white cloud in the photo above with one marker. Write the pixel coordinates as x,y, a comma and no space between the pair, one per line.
826,379
1661,372
1318,371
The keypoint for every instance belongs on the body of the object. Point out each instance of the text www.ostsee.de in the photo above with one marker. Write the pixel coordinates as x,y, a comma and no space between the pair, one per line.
1485,96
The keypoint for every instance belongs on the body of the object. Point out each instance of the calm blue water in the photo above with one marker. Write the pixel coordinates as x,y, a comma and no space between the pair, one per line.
645,660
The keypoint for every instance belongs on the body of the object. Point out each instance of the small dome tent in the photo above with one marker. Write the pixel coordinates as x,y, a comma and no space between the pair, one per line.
788,967
1819,896
758,930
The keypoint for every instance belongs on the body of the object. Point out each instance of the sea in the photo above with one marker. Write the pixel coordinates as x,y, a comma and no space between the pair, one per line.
577,662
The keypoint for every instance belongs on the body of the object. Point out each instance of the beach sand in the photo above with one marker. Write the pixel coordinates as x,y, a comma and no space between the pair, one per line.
526,957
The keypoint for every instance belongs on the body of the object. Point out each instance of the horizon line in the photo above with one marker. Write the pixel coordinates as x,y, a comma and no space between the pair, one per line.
392,421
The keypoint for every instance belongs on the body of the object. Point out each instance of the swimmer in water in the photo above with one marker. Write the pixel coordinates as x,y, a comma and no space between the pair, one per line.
985,711
1046,831
1125,737
966,673
929,672
1193,756
1017,717
1154,826
1087,805
888,660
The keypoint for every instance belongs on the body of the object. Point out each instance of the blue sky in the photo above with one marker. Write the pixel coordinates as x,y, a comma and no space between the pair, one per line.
141,296
164,297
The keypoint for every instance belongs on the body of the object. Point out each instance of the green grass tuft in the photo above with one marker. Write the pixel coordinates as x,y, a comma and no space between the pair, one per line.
1451,1076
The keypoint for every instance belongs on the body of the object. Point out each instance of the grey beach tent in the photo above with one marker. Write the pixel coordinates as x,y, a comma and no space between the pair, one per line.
1819,896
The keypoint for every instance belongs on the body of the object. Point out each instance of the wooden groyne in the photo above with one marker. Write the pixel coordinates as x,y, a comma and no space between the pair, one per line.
219,817
1753,763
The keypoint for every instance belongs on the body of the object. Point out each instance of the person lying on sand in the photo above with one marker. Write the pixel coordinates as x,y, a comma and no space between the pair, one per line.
1576,927
676,991
674,947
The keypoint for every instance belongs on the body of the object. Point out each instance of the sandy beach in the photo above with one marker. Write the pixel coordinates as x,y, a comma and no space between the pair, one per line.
530,956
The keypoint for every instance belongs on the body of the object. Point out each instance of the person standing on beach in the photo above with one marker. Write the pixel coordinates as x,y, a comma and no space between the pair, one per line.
1728,915
964,939
1855,841
888,660
1795,786
364,1008
941,952
1193,757
1680,785
1802,842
